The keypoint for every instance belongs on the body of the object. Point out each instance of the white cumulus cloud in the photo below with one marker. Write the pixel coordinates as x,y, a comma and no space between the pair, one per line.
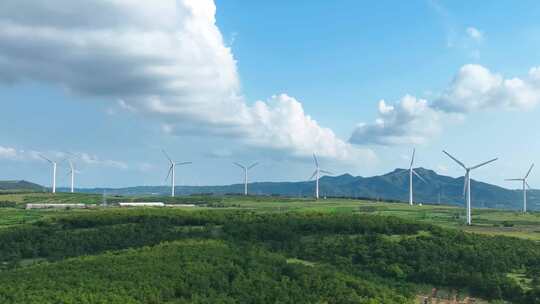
409,121
474,88
282,124
164,60
477,88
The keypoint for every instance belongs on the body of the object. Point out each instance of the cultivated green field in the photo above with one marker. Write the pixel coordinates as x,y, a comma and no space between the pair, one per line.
485,221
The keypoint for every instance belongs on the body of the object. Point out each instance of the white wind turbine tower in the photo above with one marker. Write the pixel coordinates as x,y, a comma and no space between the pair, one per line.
54,164
72,172
172,170
525,186
317,175
411,172
245,169
467,182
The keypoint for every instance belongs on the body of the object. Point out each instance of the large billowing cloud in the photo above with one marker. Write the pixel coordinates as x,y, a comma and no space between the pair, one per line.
281,121
162,59
474,88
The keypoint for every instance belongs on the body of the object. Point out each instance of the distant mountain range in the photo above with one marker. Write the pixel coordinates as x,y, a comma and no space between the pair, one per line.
391,186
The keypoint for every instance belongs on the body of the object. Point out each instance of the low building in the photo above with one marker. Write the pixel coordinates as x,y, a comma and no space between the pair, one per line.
141,204
56,206
181,205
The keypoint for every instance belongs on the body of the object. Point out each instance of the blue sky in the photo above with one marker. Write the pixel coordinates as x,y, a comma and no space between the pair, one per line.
466,67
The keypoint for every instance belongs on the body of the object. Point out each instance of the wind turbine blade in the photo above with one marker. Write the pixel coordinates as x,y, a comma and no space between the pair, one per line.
465,183
314,173
455,159
41,155
483,164
239,165
183,163
253,165
529,172
326,172
514,179
412,159
315,159
528,185
169,173
167,155
418,175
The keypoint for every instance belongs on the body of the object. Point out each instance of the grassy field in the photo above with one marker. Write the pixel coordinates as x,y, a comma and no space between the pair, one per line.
485,221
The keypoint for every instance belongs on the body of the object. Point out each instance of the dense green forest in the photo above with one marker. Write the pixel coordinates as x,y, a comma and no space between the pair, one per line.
235,256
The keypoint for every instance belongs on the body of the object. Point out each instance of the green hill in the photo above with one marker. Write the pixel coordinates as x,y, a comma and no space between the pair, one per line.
19,186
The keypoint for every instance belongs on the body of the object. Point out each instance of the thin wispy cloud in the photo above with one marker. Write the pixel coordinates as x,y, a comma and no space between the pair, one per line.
447,21
475,34
96,161
21,155
7,153
146,167
467,39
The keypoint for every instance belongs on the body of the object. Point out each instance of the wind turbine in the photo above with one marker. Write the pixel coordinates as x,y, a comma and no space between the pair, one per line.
54,164
317,175
411,172
467,182
172,169
525,186
72,172
246,169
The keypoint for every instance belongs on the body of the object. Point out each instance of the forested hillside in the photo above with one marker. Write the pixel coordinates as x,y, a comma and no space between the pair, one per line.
174,256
